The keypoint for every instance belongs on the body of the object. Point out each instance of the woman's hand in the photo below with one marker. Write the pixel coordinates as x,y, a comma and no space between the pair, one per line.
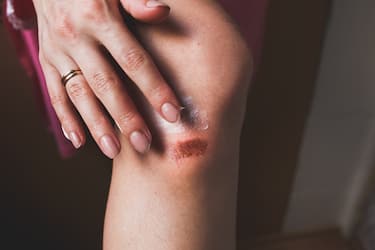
72,36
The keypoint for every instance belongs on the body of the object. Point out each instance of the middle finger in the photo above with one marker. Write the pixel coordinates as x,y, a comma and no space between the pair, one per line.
108,87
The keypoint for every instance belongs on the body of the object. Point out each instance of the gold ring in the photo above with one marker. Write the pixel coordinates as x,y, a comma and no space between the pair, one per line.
65,78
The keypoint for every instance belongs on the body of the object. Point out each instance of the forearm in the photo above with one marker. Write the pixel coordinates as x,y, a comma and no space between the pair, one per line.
182,194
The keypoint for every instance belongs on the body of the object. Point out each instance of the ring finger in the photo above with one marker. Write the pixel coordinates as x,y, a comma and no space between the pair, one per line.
70,124
89,108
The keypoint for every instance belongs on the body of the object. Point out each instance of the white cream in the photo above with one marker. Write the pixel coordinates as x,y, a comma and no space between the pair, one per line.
191,119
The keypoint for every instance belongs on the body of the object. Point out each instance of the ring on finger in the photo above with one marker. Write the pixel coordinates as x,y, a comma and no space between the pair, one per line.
65,78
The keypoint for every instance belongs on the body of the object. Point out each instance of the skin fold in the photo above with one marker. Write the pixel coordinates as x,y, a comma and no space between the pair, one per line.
182,193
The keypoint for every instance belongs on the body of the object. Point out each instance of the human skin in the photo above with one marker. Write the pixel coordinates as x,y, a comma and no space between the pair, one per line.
77,35
182,193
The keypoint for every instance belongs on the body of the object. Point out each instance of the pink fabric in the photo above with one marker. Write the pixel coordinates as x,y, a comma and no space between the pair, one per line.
249,14
64,146
19,21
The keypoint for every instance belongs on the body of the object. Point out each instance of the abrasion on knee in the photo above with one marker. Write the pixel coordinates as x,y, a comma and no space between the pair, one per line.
190,148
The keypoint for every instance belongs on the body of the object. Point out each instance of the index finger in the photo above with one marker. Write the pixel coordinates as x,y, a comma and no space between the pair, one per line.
140,68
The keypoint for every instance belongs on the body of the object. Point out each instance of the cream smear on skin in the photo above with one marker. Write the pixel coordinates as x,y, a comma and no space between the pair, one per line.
191,118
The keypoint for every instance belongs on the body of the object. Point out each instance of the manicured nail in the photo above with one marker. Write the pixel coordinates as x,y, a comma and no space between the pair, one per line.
75,139
65,133
170,112
109,146
154,3
140,142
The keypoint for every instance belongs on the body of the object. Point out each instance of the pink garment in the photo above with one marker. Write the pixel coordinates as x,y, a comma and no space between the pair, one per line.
20,21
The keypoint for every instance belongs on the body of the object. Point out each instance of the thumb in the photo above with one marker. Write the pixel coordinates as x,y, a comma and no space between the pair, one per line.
146,10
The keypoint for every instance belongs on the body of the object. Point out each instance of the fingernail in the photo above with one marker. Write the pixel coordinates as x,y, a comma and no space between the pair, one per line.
154,3
140,142
109,146
65,133
170,112
76,141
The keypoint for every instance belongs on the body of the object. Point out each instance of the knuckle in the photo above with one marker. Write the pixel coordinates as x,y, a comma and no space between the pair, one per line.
102,82
159,93
97,125
96,11
57,100
64,27
66,121
127,118
76,90
134,59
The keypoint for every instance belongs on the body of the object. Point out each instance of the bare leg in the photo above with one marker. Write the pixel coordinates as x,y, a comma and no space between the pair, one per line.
182,194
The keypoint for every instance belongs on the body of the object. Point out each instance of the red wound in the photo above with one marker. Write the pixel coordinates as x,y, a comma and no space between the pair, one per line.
194,147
